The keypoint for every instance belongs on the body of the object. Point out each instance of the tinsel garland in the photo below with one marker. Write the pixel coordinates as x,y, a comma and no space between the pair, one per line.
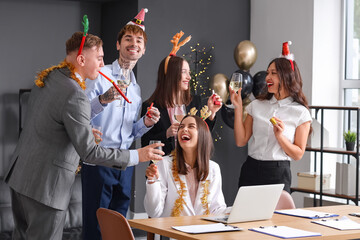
180,202
43,74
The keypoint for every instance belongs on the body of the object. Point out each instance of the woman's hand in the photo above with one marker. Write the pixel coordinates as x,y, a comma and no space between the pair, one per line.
235,97
212,107
279,127
172,130
151,173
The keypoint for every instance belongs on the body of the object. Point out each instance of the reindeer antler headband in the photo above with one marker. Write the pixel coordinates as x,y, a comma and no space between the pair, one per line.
176,47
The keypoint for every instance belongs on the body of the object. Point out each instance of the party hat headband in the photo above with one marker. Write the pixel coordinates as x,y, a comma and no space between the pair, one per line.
286,53
85,23
139,19
176,46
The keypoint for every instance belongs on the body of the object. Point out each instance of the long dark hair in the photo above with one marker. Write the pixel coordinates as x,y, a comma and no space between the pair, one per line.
168,86
204,151
290,80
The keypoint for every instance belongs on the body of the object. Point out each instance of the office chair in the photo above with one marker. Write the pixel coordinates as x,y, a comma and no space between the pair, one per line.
285,201
113,225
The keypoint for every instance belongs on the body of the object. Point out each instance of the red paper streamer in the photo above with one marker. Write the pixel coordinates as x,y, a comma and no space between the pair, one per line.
148,113
117,88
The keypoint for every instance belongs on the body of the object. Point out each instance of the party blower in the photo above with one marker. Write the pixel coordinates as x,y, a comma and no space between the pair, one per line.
117,88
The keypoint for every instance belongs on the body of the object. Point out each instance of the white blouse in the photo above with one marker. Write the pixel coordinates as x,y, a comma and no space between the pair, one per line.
263,144
161,196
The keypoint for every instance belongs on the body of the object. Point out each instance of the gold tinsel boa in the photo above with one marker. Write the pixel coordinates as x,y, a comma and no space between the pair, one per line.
180,202
43,74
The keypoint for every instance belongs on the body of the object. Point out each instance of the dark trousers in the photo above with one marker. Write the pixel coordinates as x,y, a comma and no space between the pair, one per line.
103,187
255,172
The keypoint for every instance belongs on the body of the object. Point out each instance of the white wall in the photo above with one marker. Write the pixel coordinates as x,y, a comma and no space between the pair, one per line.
314,27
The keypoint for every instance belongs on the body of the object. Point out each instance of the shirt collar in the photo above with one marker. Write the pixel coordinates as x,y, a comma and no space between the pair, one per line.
116,71
79,76
281,102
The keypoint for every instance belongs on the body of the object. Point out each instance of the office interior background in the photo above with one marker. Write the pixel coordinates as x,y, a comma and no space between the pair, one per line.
33,35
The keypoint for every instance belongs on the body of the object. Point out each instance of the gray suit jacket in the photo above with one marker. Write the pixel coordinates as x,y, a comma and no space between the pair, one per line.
57,133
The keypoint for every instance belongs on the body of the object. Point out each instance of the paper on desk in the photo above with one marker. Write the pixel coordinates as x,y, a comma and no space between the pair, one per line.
285,232
207,228
343,223
306,213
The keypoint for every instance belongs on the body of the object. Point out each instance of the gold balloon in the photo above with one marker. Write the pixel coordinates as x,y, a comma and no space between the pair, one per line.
245,55
219,83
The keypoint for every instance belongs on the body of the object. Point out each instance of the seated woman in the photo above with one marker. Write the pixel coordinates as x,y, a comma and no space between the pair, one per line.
189,183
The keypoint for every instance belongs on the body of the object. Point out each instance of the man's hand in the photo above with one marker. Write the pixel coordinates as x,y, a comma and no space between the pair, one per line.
109,96
155,116
150,153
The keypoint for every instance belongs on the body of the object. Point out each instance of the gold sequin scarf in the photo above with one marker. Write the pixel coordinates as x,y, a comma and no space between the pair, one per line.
180,202
43,74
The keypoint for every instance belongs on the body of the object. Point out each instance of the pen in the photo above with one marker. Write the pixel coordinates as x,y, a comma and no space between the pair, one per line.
354,214
117,88
228,225
148,113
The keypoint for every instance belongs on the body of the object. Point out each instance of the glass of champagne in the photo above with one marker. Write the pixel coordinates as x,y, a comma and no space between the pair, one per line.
155,161
179,113
97,134
123,82
236,83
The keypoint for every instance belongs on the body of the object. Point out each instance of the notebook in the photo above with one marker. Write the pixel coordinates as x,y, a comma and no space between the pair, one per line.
252,203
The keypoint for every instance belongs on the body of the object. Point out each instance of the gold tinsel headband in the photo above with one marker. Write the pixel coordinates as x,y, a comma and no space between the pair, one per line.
176,46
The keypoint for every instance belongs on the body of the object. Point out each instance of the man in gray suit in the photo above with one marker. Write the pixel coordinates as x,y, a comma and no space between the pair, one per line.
57,133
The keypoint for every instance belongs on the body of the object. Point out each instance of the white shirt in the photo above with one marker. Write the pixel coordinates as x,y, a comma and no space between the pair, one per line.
161,196
263,144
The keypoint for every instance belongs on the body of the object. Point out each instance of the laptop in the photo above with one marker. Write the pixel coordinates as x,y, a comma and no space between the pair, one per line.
252,203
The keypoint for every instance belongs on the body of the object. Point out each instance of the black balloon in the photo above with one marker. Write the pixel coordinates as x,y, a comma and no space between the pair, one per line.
259,83
227,115
247,85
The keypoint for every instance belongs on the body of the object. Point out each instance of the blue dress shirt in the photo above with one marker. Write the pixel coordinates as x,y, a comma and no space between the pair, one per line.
120,125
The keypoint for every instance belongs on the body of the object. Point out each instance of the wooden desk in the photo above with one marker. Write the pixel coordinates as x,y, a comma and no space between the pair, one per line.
162,226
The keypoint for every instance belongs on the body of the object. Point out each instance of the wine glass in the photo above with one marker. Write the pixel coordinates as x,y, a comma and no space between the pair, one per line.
155,161
97,134
236,83
179,113
123,82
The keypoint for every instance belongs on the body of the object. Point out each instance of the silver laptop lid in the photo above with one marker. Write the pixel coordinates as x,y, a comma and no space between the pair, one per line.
255,203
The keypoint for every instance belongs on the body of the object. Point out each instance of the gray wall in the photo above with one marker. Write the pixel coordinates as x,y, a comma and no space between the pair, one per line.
222,24
34,34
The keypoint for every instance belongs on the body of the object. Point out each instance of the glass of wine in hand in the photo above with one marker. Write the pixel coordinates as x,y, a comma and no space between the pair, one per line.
236,83
155,179
123,82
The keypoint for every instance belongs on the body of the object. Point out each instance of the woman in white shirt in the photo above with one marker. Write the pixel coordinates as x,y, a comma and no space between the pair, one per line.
189,183
271,147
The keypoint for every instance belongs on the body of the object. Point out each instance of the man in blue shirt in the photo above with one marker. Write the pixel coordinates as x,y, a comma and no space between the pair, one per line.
118,119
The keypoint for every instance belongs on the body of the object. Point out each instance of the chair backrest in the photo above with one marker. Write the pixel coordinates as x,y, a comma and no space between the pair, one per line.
113,225
285,201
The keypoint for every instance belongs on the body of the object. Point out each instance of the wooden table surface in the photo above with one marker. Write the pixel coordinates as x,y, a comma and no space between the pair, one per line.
163,226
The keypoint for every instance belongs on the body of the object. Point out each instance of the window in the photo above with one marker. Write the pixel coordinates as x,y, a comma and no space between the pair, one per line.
351,82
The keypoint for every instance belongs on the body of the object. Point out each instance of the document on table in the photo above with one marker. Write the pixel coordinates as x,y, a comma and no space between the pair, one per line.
285,232
306,213
207,228
343,223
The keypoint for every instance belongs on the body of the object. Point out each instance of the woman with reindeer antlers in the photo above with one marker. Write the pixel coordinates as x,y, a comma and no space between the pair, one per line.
173,99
